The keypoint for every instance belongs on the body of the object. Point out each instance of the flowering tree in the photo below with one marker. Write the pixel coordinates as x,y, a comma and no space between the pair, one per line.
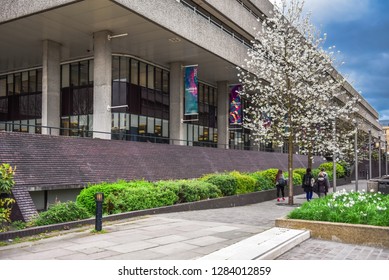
294,91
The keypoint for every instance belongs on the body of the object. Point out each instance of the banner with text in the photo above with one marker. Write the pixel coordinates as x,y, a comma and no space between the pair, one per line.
235,105
191,91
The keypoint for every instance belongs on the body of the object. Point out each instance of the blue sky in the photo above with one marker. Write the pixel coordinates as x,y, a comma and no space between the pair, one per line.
360,30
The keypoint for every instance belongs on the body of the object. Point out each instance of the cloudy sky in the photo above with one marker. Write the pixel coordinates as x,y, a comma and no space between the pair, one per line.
360,30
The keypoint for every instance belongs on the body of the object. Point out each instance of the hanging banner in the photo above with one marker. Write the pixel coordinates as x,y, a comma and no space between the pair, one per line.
235,105
191,91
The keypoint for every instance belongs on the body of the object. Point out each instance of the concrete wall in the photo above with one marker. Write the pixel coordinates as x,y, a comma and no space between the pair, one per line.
11,9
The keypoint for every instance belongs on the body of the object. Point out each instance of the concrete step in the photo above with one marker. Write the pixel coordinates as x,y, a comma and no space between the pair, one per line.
266,245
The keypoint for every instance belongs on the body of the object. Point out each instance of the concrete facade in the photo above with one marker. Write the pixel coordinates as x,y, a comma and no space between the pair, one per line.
51,79
102,86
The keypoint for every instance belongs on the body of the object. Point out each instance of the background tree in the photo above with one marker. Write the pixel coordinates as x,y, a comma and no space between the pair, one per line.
291,83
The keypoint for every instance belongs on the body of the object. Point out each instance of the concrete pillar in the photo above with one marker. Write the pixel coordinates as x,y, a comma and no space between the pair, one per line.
51,87
223,101
176,104
102,84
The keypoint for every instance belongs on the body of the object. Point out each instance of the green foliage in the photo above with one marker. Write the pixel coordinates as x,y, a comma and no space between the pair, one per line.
343,207
225,182
245,183
6,178
61,213
300,171
6,183
270,175
297,180
328,167
262,183
194,190
86,197
140,197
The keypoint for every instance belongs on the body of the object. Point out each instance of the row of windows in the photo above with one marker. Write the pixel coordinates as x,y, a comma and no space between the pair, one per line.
25,82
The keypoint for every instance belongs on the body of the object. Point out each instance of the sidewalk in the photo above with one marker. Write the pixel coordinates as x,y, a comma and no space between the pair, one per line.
188,235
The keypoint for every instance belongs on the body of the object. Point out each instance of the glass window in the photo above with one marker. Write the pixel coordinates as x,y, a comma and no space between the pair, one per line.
3,86
24,82
142,125
31,128
124,69
18,83
158,127
91,69
74,74
115,68
150,125
150,76
158,79
10,84
39,80
142,74
165,128
165,81
84,76
65,75
134,72
32,81
134,120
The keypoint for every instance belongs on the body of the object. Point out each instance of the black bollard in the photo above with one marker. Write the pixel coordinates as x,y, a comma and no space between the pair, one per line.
99,198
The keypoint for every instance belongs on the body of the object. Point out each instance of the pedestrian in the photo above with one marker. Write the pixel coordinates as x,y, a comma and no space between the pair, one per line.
322,183
280,185
308,181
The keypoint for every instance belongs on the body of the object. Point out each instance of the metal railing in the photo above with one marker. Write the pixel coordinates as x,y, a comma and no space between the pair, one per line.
124,136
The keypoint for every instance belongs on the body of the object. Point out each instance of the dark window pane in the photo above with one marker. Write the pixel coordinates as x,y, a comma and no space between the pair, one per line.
24,82
18,83
10,84
142,74
3,86
115,68
134,72
39,80
84,76
124,75
134,99
74,74
150,76
32,81
165,81
158,79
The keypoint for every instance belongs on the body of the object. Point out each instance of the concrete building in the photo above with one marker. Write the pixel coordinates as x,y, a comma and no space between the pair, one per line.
115,68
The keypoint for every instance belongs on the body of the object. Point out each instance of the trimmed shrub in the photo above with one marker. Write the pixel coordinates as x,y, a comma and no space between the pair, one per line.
86,197
262,183
245,183
297,179
328,167
61,212
227,184
270,175
300,171
138,198
194,190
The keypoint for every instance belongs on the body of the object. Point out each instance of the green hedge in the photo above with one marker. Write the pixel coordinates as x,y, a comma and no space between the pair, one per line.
245,183
61,213
328,167
227,183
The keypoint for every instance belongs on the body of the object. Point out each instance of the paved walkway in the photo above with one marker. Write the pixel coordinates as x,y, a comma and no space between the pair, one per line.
183,236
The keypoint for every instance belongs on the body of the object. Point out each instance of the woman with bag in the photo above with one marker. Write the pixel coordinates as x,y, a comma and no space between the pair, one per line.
308,182
280,185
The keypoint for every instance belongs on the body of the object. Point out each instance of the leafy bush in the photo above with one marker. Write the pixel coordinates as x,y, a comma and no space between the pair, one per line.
6,183
245,183
60,213
194,190
225,182
328,167
270,175
300,171
86,197
262,183
297,179
137,198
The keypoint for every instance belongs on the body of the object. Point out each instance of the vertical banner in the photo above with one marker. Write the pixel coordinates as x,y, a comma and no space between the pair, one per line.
191,91
235,105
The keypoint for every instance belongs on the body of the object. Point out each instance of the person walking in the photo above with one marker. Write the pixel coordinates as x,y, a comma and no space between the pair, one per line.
280,185
322,184
308,182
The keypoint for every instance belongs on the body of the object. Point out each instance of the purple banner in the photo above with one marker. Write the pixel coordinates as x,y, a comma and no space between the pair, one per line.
191,91
235,105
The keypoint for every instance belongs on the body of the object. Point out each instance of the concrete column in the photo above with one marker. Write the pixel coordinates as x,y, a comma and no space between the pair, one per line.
176,103
222,115
51,79
102,84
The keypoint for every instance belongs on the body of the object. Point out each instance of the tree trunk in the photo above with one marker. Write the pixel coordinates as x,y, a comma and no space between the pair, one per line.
290,169
310,157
